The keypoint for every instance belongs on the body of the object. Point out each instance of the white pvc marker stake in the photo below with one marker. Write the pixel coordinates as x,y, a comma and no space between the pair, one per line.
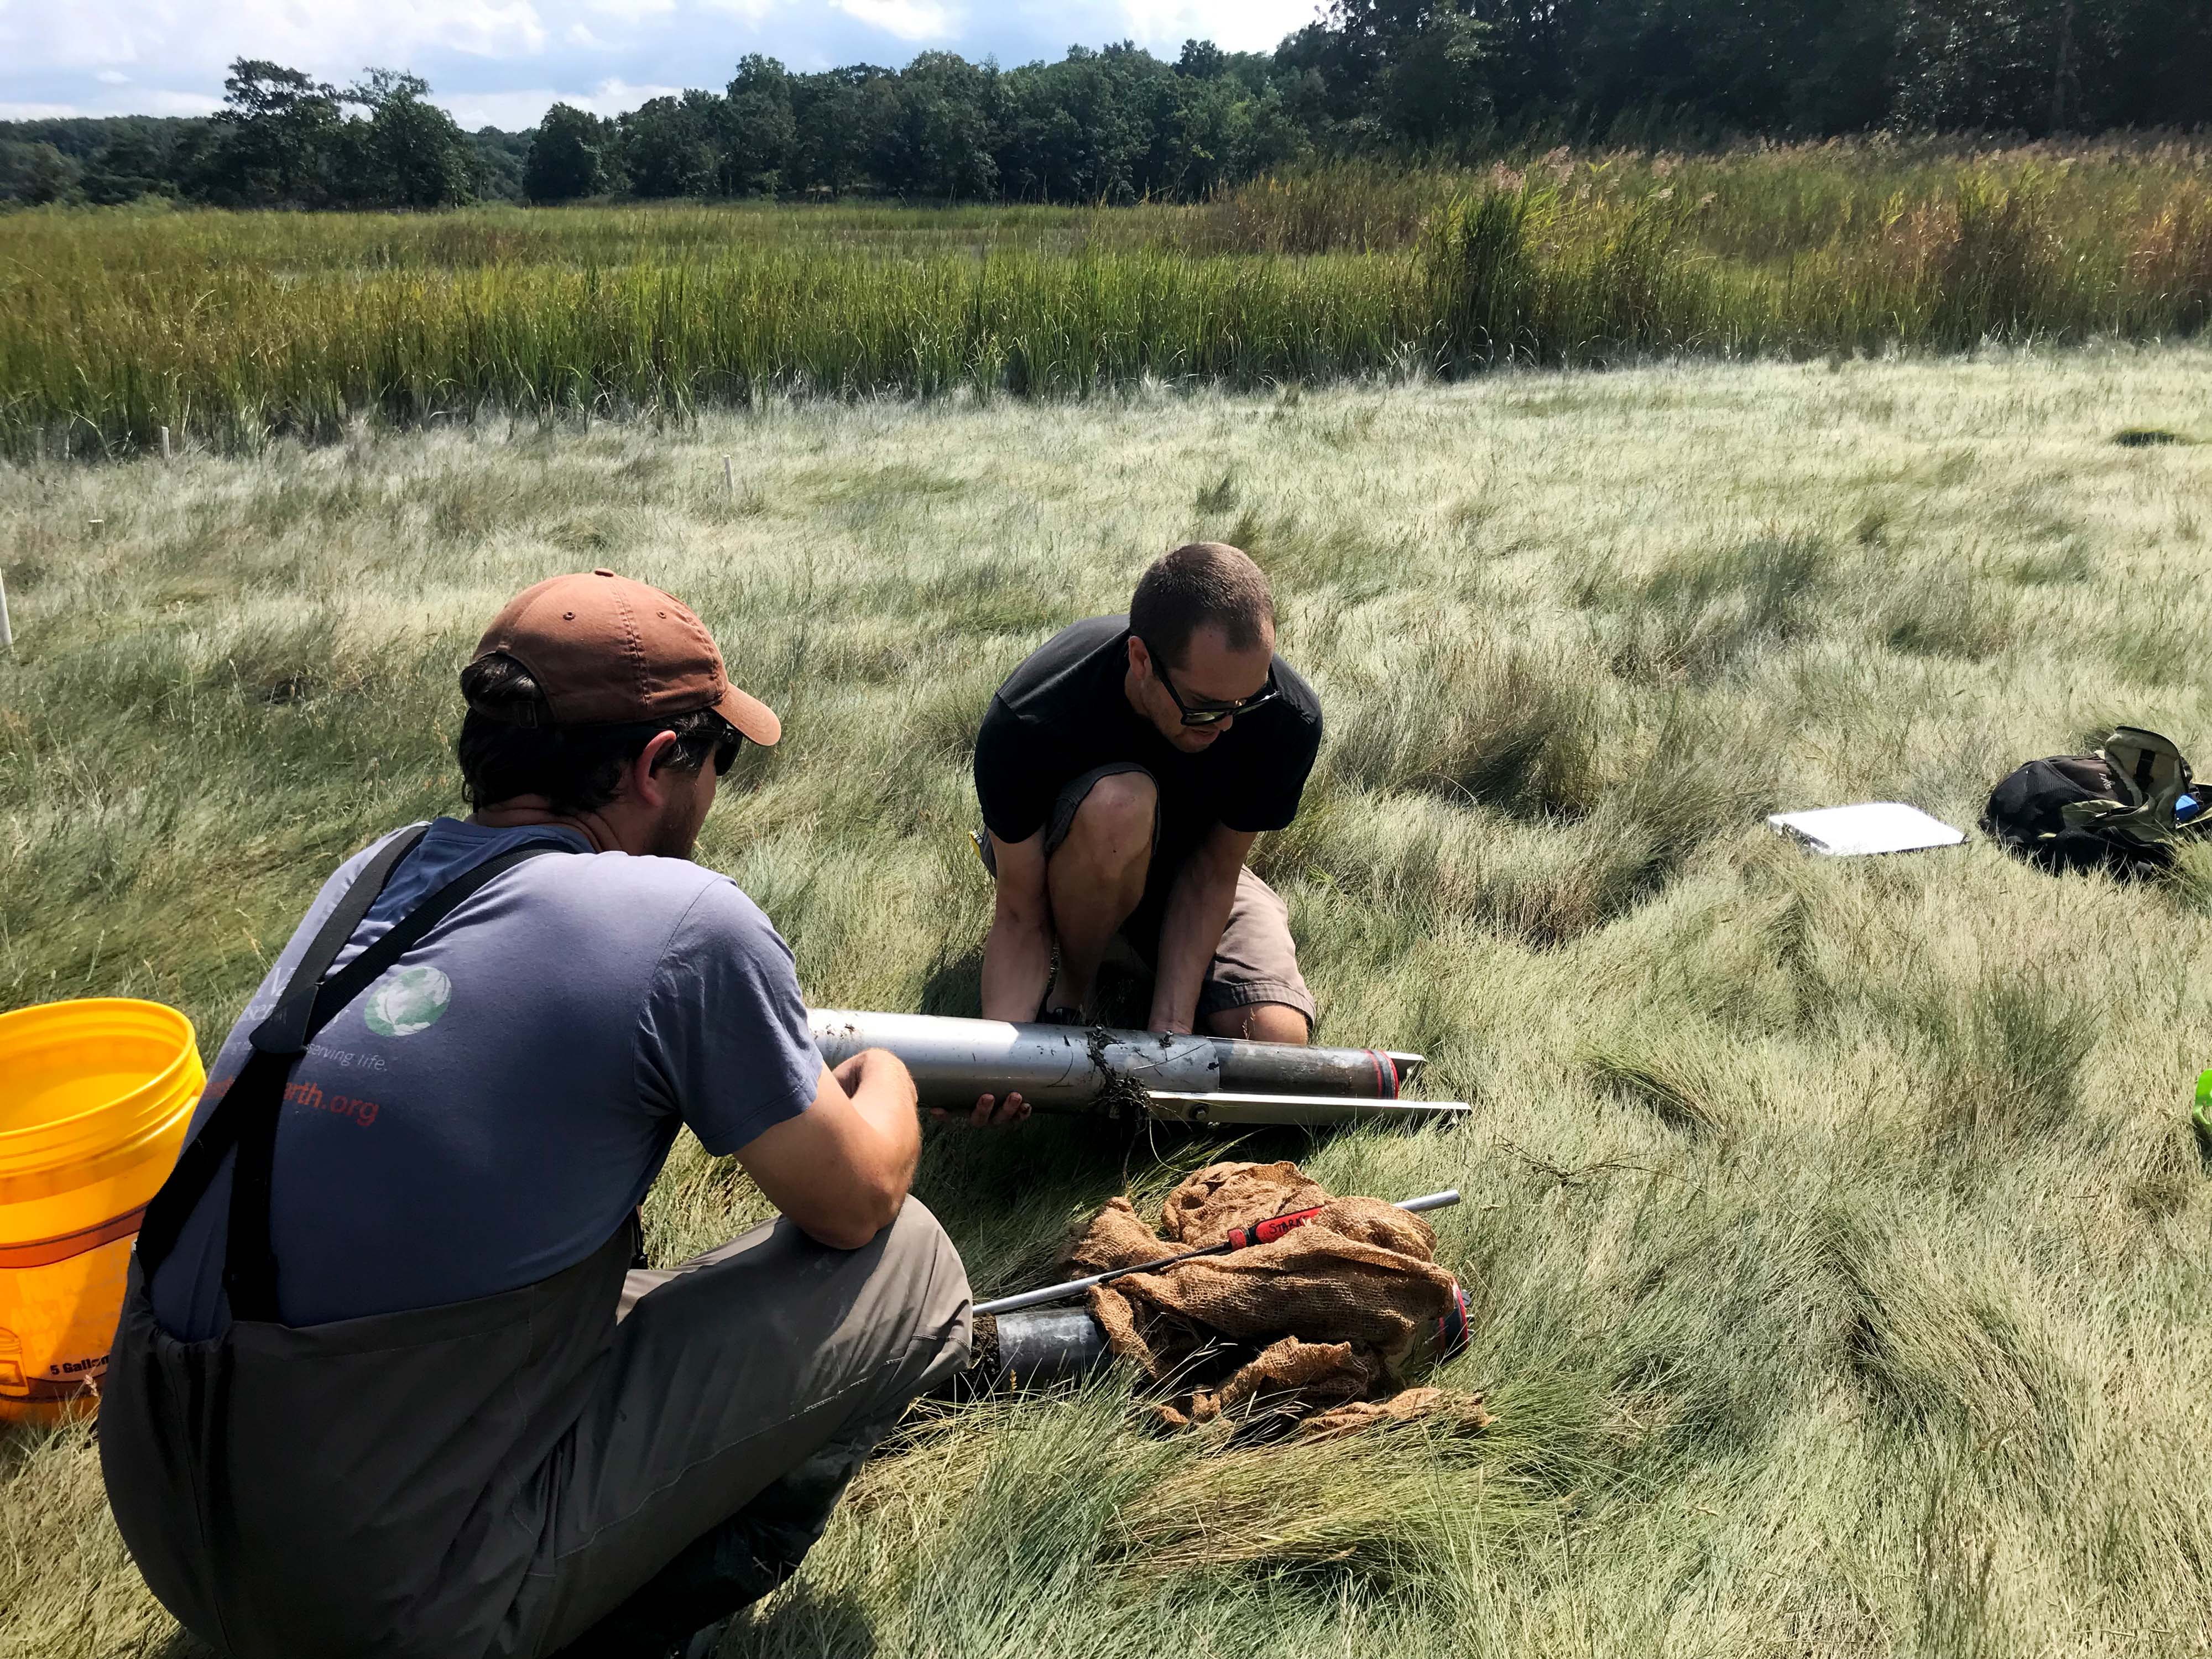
7,633
164,443
729,478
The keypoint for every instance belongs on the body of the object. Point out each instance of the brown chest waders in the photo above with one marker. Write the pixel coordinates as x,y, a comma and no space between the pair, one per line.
360,1487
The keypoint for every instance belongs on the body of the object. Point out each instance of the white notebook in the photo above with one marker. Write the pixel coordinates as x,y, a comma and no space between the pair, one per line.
1872,826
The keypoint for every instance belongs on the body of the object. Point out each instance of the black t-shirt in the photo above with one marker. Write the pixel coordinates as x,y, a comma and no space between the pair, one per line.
1064,712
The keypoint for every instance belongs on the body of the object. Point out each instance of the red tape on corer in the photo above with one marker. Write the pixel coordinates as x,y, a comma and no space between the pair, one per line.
1452,1326
1386,1074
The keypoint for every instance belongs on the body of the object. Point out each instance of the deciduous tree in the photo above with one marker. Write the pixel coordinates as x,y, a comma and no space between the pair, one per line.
566,161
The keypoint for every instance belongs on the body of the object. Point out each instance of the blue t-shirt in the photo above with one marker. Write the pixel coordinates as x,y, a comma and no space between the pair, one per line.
489,1111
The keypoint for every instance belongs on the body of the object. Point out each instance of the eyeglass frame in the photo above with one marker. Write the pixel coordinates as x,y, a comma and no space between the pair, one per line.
1202,715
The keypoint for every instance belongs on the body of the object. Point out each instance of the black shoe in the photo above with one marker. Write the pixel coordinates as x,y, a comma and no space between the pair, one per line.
1059,1017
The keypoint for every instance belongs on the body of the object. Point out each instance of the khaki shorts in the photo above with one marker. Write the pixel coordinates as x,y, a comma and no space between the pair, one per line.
1256,962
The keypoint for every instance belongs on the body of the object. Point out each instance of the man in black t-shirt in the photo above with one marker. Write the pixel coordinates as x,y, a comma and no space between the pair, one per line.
1124,770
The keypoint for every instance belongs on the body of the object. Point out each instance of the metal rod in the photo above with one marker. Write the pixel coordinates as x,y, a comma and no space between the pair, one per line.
1063,1068
1077,1287
1242,1111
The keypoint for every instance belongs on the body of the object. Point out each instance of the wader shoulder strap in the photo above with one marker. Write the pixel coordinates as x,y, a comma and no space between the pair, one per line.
195,1165
249,1112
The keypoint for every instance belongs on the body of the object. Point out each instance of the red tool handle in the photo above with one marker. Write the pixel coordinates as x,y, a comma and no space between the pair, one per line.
1267,1232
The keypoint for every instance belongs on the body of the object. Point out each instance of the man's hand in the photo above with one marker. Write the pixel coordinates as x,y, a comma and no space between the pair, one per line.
990,1112
841,1168
883,1074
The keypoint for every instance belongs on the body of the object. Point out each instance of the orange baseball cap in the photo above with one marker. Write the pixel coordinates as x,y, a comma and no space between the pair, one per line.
606,650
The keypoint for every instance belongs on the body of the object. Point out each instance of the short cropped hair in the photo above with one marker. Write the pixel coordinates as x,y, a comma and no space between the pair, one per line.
509,745
1201,585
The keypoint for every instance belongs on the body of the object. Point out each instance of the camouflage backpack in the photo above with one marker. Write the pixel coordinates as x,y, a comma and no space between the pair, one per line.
2120,809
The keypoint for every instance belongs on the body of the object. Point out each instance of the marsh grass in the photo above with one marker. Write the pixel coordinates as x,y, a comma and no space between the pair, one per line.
230,329
1833,1229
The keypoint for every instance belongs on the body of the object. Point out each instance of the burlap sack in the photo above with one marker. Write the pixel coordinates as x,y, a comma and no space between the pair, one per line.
1310,1331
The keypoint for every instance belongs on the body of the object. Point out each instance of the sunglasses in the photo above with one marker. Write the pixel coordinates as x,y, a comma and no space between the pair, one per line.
725,749
1211,713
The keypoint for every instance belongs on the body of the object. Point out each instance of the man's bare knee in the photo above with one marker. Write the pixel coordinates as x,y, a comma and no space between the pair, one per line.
1114,825
1262,1022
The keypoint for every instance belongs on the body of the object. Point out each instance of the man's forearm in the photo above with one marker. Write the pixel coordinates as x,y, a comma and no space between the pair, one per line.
883,1095
842,1167
1197,910
1017,967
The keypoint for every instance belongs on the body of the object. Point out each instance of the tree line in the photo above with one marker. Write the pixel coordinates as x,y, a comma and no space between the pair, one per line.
1403,78
283,139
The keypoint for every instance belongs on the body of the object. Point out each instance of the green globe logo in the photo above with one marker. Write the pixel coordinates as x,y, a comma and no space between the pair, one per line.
407,1001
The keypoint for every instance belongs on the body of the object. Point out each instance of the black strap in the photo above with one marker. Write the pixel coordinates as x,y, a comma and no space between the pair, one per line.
249,1260
285,1032
249,1113
196,1164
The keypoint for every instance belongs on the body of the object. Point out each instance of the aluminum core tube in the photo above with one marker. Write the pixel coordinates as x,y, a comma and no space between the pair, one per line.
1045,1345
1072,1068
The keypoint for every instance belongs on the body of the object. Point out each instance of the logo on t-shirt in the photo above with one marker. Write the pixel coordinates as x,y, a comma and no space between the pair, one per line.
407,1001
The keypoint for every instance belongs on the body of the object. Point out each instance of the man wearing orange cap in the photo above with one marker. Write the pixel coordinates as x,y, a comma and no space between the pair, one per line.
390,1380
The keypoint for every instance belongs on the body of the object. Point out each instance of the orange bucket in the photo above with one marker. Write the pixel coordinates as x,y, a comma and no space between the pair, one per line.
95,1096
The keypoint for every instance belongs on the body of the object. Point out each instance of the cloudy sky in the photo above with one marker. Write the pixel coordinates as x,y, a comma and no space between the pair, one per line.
501,62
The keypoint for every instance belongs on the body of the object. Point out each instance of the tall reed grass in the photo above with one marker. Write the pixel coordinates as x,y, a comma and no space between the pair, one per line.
228,329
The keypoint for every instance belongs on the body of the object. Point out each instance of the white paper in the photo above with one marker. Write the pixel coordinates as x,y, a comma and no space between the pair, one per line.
1873,826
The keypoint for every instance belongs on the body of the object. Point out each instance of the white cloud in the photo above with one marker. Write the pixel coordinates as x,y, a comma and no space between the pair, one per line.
1162,26
142,102
513,111
332,38
909,19
753,11
112,78
578,36
162,102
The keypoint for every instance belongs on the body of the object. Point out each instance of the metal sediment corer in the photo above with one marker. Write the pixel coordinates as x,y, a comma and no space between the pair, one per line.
1034,1349
1452,1332
1242,1239
1020,1341
1171,1078
1039,1347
